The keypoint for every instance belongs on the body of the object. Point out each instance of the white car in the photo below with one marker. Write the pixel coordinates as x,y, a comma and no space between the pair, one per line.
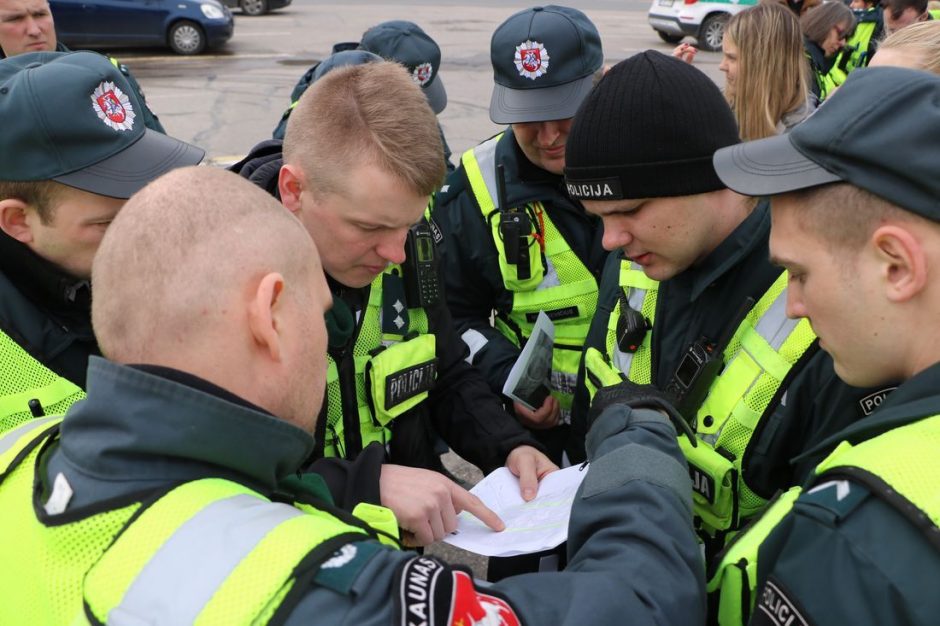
703,19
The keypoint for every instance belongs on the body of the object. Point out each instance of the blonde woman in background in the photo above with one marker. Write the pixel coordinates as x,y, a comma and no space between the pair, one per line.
916,47
767,76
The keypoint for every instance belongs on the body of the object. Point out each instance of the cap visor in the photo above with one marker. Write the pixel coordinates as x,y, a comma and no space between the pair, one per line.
123,174
436,95
768,166
511,106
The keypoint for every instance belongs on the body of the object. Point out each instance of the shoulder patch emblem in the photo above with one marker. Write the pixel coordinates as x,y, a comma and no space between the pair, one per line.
113,107
531,59
422,74
872,401
470,607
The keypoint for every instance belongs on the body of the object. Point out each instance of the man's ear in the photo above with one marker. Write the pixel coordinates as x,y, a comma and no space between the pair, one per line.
903,261
264,315
290,184
14,220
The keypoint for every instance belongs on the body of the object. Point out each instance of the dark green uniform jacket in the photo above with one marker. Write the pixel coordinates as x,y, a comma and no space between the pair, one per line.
701,301
143,430
46,311
851,552
460,406
473,280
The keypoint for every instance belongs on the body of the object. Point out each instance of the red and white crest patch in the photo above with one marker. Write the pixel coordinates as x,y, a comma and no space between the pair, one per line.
531,59
113,107
470,607
422,74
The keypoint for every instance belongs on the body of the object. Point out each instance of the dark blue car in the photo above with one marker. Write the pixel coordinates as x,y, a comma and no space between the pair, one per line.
186,26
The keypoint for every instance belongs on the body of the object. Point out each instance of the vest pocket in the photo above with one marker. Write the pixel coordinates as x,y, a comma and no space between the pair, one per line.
399,377
714,485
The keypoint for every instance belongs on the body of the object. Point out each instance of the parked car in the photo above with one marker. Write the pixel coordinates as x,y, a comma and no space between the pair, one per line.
186,26
703,19
257,7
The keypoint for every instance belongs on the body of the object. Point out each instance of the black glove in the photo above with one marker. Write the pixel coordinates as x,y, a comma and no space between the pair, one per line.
637,396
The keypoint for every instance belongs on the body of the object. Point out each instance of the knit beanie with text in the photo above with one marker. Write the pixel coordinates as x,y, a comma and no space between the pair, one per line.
648,130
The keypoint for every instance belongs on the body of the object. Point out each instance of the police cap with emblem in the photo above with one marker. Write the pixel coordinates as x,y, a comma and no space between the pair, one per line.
71,117
880,131
648,130
405,43
544,61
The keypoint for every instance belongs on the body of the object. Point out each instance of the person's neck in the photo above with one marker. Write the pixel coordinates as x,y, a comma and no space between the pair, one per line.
732,209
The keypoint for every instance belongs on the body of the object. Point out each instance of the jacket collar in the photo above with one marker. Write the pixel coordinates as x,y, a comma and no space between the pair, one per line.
138,425
43,282
915,399
743,241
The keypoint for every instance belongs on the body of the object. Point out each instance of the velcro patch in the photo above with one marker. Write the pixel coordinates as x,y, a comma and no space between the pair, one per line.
436,231
408,383
431,593
557,314
702,483
774,608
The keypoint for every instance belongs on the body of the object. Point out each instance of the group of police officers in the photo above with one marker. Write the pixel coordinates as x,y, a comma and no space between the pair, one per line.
745,344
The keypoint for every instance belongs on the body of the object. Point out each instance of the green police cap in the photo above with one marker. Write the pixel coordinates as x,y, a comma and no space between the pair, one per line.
71,117
404,42
544,60
880,132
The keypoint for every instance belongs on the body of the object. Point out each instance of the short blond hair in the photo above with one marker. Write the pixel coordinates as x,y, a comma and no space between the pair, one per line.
372,113
180,251
844,215
922,38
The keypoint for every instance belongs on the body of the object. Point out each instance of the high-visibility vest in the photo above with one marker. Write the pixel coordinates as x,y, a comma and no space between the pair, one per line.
395,366
206,551
904,459
24,381
763,349
559,283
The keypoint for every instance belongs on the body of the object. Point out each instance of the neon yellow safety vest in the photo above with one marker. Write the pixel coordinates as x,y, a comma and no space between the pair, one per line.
559,283
905,458
23,379
207,551
855,53
757,359
393,372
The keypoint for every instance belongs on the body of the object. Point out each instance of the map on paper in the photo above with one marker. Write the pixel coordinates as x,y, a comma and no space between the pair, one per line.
530,526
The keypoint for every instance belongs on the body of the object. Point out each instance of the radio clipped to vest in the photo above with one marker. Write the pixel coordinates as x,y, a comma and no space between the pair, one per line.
631,326
700,366
422,285
515,231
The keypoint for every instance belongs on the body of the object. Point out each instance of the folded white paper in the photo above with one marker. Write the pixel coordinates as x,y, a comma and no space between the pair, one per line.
530,526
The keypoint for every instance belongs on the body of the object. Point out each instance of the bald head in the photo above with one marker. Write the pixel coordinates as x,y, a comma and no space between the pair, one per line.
205,272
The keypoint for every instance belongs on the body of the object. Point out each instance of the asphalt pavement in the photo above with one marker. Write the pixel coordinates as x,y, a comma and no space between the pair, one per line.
229,99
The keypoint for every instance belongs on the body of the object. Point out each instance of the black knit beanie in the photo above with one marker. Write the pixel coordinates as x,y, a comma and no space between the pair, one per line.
648,130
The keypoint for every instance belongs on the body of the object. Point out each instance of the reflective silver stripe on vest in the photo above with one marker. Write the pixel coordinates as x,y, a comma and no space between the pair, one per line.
774,325
485,154
187,570
623,360
9,439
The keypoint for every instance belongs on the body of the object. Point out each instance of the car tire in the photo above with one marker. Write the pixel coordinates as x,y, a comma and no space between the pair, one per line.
186,37
669,38
712,32
253,7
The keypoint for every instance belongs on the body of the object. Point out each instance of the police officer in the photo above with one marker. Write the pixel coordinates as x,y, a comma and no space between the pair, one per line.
901,13
63,177
359,178
27,26
857,225
515,242
690,309
397,40
863,42
135,523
